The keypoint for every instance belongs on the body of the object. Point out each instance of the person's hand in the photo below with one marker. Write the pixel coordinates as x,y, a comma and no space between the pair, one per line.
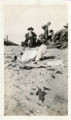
28,41
30,35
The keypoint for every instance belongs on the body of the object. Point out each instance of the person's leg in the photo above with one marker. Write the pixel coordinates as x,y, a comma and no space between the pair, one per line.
38,56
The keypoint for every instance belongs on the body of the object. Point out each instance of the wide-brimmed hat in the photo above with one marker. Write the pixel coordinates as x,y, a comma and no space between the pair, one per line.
30,28
46,25
66,26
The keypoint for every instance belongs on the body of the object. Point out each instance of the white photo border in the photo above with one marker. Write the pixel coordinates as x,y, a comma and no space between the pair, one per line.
32,2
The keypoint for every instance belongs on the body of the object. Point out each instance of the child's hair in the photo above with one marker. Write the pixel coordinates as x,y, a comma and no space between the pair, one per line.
51,31
21,53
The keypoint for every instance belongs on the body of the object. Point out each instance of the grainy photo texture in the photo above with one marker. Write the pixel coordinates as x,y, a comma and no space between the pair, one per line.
35,60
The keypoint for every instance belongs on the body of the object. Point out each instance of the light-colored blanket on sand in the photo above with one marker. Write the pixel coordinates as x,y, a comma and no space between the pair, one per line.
35,54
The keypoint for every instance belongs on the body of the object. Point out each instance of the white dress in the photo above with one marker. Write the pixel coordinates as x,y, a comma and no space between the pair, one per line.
28,55
41,52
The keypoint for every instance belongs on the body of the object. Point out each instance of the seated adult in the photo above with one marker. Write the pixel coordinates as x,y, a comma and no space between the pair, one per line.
61,35
30,38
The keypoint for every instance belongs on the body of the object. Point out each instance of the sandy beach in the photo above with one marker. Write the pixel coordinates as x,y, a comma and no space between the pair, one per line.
35,88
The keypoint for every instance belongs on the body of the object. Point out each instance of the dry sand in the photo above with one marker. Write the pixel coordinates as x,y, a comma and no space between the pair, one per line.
36,89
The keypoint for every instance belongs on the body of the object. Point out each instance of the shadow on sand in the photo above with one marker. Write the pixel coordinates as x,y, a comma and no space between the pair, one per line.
47,58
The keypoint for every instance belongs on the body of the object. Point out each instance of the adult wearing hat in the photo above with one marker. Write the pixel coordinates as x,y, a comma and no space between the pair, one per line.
30,38
45,27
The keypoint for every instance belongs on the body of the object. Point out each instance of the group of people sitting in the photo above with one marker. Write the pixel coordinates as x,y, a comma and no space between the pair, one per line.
31,39
42,41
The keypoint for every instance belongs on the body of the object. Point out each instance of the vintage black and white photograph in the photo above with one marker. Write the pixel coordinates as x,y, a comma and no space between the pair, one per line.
35,60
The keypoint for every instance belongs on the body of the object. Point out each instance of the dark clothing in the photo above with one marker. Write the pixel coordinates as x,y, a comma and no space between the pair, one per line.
30,41
61,35
46,32
50,37
41,40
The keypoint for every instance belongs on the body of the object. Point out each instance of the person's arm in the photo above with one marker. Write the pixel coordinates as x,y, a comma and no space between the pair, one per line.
35,37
